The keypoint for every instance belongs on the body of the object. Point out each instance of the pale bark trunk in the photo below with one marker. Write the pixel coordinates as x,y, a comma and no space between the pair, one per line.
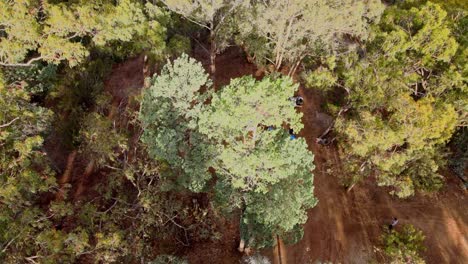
213,50
279,59
66,176
241,245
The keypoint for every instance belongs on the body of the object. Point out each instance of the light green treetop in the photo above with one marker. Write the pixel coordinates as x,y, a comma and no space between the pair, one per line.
402,113
287,31
53,32
169,112
249,104
261,171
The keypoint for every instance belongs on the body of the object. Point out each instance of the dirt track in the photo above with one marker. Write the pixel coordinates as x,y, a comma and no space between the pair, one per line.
345,227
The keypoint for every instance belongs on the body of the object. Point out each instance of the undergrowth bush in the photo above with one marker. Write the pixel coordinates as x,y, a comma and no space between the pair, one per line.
404,246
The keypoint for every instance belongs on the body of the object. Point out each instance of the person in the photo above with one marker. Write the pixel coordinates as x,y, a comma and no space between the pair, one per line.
393,224
291,134
322,141
297,101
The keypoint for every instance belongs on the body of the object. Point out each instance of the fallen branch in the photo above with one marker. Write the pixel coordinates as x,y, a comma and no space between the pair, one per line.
330,127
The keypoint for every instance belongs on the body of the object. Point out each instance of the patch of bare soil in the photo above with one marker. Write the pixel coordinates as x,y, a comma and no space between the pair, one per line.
232,63
345,227
222,251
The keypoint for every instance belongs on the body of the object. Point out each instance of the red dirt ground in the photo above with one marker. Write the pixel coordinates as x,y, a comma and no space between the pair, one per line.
344,227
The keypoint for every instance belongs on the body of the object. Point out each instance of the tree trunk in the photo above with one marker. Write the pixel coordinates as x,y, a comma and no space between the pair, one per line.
66,176
241,245
213,50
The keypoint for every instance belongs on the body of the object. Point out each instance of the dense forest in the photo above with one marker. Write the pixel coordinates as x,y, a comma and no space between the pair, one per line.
127,137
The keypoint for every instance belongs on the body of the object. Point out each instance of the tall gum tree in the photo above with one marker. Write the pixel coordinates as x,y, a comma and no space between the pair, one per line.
239,136
169,112
260,170
405,99
32,31
212,15
284,32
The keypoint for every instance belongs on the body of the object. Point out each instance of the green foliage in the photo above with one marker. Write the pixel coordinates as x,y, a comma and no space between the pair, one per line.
55,32
178,45
169,113
100,141
192,137
284,32
25,229
23,168
429,39
406,88
458,159
206,13
404,246
400,94
237,116
168,259
323,77
214,15
37,79
276,171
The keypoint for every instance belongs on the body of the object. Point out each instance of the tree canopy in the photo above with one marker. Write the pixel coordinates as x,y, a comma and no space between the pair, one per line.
284,32
232,130
42,31
118,147
400,94
169,112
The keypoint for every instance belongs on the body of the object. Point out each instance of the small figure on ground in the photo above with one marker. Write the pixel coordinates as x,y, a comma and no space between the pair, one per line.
291,134
270,128
322,141
393,224
297,101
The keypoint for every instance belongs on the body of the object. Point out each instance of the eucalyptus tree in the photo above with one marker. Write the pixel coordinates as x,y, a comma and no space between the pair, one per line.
406,97
212,15
285,32
238,135
169,112
32,31
260,169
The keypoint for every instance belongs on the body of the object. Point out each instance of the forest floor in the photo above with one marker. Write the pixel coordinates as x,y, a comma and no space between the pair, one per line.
343,227
346,227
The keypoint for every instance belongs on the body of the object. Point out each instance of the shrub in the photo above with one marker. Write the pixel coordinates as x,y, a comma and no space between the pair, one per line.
404,246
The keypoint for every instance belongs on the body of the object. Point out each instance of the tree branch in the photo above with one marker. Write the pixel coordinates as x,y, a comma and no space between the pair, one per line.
186,16
27,64
237,3
9,123
9,243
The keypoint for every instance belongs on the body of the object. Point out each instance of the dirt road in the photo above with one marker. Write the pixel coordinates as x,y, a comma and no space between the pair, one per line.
345,227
